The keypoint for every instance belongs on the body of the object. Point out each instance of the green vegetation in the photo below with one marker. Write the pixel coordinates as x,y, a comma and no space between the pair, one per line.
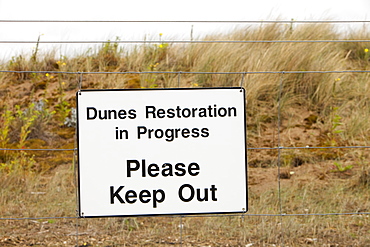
317,110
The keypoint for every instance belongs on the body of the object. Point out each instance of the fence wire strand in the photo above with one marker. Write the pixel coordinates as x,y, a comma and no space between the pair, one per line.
208,216
266,148
186,72
279,155
180,41
194,21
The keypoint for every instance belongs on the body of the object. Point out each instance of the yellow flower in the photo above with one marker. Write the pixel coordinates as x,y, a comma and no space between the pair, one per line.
160,34
51,77
63,83
60,63
338,79
160,46
47,74
366,50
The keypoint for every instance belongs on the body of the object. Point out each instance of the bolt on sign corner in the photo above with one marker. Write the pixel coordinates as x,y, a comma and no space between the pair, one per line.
161,152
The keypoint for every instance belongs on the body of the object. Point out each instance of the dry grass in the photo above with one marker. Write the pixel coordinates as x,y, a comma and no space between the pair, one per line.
317,109
305,197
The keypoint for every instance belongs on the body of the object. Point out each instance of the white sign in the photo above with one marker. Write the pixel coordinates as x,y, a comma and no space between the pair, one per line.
161,151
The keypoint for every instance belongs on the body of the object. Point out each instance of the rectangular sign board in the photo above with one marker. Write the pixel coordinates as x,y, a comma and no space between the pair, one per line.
161,151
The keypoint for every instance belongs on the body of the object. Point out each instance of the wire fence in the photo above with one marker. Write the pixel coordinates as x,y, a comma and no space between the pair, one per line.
279,148
183,41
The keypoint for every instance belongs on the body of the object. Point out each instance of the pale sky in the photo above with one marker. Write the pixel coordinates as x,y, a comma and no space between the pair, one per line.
195,10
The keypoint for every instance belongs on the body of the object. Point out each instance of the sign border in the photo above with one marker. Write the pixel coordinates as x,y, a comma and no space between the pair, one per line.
169,214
